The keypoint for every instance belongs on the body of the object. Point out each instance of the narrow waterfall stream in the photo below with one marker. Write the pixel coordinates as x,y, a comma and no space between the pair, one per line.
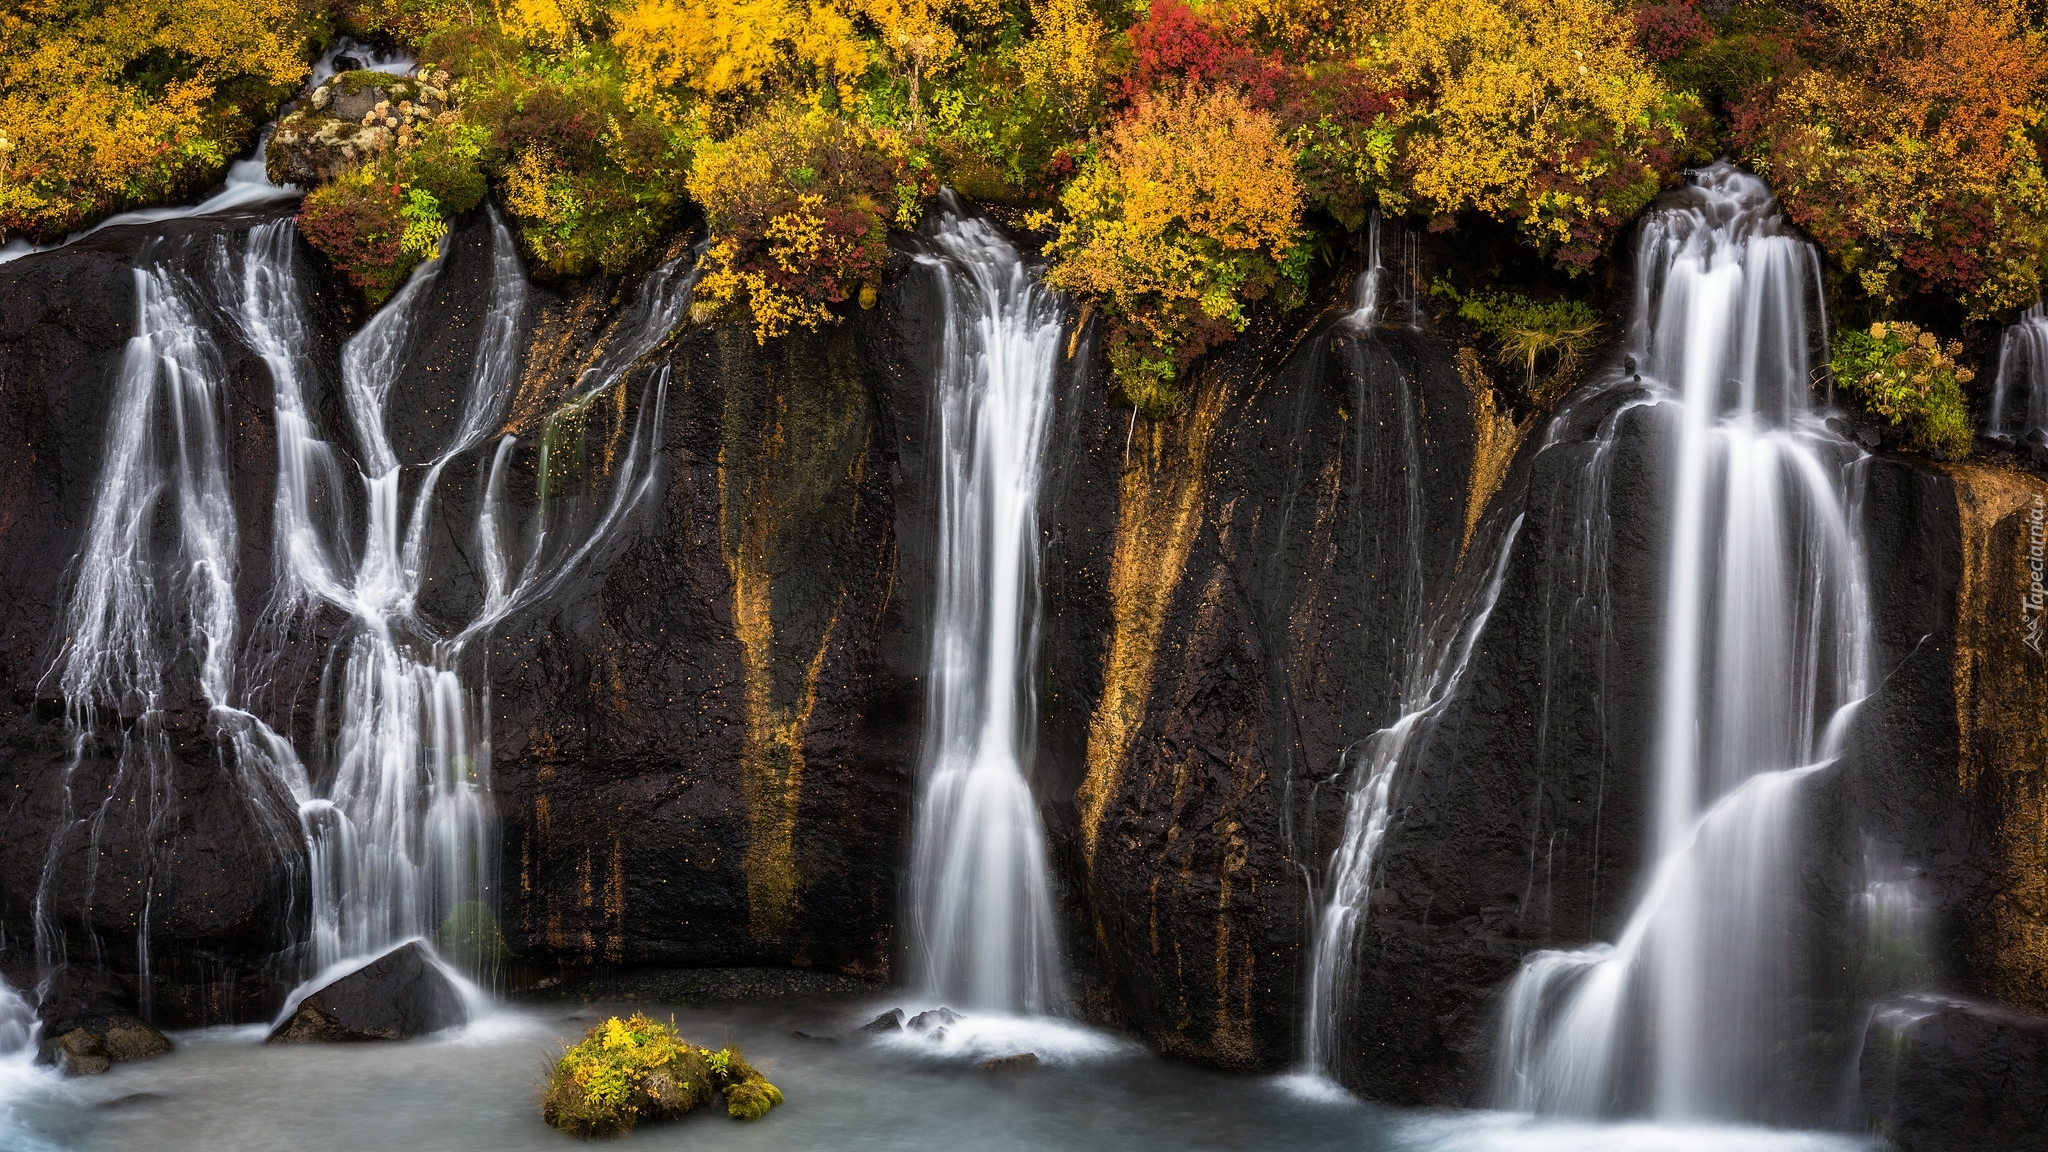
983,934
1764,656
1387,457
151,620
2019,393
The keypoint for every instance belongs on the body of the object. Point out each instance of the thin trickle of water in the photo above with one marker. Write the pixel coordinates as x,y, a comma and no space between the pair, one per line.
1764,655
982,912
1370,776
1386,467
2019,396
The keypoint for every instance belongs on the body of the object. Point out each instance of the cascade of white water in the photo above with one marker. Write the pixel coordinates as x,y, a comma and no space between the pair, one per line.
396,819
18,1023
400,829
983,931
2019,396
1764,655
152,598
19,1031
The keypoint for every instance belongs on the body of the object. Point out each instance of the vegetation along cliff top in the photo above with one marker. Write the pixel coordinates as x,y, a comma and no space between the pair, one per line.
1182,163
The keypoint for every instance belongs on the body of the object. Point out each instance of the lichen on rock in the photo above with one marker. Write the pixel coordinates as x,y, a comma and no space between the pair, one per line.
355,116
626,1071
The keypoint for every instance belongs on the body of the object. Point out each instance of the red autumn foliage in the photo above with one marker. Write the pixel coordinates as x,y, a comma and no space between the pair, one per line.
1665,32
1176,45
358,225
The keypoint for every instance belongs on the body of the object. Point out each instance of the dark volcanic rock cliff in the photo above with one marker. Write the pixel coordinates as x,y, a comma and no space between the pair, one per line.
704,741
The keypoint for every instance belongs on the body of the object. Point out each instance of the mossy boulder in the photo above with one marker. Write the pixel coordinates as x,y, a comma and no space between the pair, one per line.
353,117
625,1071
93,1046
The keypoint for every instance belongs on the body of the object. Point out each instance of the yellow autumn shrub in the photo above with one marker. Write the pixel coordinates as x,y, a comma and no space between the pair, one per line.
1543,113
1189,210
136,102
799,205
722,48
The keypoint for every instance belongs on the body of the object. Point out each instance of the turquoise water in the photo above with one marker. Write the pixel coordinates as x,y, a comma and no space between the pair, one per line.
478,1090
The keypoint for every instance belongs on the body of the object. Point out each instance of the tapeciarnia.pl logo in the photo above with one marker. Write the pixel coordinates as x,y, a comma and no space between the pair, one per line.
2036,602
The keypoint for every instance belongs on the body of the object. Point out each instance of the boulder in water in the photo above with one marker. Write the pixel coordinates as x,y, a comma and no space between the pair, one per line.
937,1018
1006,1063
78,1052
1947,1075
399,995
90,1047
890,1021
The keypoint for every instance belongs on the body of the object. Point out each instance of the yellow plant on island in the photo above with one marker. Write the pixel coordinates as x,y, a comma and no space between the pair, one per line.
625,1071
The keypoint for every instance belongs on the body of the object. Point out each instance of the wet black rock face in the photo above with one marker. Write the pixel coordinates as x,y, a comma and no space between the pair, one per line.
1947,1075
704,744
213,887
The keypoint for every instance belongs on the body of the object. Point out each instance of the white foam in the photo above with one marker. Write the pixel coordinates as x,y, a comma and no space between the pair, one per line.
1312,1087
978,1036
1520,1132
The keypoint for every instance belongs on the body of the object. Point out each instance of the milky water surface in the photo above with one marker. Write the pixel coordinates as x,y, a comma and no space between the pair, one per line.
479,1089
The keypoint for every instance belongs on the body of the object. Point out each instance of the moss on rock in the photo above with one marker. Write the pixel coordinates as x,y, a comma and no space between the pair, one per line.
625,1071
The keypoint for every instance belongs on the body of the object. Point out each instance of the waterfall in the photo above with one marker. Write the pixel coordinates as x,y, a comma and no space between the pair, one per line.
400,833
150,622
1387,460
1370,777
19,1030
1763,657
982,911
391,798
2019,395
18,1023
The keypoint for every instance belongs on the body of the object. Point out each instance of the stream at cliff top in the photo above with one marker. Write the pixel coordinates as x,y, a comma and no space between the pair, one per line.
478,1088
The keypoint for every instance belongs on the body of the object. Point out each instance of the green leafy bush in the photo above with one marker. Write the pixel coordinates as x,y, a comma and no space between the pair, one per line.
592,180
626,1071
1911,379
1525,332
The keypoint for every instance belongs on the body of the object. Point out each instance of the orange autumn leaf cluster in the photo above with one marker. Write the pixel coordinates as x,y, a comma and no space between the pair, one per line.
1188,211
1909,149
